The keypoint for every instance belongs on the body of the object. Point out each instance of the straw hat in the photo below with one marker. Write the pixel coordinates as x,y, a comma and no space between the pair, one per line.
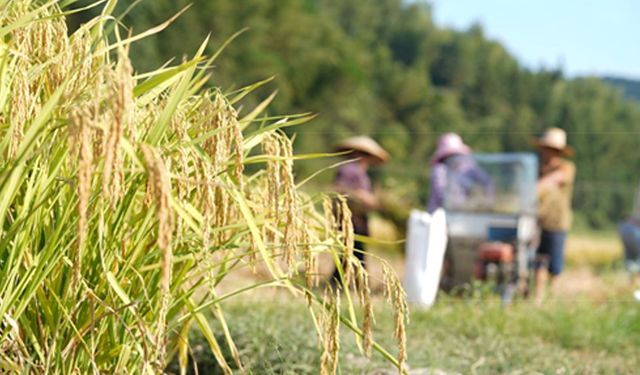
450,144
365,145
556,139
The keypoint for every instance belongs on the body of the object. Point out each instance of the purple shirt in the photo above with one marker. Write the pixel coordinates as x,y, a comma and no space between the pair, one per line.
438,186
351,176
465,174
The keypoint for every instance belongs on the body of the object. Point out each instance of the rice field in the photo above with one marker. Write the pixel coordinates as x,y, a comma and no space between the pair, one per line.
593,249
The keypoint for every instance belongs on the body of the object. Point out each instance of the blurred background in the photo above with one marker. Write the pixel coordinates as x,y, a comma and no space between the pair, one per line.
497,72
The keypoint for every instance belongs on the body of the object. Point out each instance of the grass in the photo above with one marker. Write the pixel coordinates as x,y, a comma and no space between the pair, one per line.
475,336
593,327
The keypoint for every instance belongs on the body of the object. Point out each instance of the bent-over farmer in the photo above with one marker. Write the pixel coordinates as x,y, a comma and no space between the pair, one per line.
354,182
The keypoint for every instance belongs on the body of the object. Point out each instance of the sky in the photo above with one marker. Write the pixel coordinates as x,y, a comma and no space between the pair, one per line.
583,37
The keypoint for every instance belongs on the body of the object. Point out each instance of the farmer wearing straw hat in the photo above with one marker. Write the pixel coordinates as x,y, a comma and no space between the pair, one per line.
555,189
353,181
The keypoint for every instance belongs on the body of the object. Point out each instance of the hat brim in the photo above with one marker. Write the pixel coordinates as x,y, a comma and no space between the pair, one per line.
566,151
377,156
445,153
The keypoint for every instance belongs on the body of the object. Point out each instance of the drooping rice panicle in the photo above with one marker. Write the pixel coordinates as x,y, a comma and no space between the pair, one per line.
397,298
330,322
161,190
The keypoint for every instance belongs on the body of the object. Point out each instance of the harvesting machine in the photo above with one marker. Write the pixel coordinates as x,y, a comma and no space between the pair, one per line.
491,220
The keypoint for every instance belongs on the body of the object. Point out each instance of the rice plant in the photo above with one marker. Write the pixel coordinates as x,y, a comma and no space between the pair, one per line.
124,203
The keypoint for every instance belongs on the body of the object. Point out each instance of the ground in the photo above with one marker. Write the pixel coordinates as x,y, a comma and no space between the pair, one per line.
591,326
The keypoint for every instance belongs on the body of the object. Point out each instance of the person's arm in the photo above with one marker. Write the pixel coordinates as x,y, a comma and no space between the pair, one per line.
481,176
355,185
563,175
365,198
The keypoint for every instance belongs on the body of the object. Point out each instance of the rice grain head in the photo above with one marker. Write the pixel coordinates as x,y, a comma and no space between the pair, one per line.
397,298
364,293
310,258
220,116
329,217
347,235
78,55
80,136
225,147
238,142
23,102
161,191
271,147
121,97
291,224
208,206
330,322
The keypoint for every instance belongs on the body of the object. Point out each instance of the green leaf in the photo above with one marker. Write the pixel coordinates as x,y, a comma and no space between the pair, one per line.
117,288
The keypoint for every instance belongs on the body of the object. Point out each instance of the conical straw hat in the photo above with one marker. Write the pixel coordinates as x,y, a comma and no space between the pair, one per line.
366,145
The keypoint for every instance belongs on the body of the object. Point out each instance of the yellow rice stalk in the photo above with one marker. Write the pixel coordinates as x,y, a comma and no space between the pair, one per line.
78,55
310,258
80,136
368,320
396,296
344,215
161,191
330,322
291,227
43,42
119,124
22,105
329,217
222,118
271,146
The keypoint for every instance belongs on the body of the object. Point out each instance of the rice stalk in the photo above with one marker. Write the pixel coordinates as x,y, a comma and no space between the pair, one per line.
368,320
397,298
80,136
330,322
271,146
291,227
119,124
310,257
161,191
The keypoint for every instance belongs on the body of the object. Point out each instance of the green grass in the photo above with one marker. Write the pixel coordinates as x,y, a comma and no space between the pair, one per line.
460,336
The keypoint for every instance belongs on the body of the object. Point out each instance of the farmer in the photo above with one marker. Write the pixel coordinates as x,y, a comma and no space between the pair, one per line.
456,178
630,234
555,189
353,181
